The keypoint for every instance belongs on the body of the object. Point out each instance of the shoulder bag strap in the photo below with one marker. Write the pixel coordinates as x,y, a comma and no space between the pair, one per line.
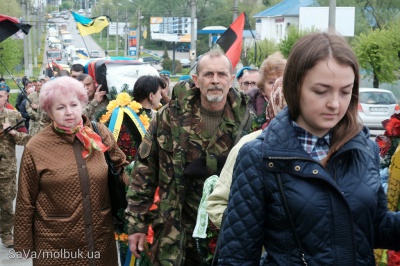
289,217
106,154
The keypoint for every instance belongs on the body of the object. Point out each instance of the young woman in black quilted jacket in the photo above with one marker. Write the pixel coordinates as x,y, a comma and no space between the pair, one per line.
308,188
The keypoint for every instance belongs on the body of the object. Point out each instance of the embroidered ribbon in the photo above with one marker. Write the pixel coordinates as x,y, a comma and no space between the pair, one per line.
200,229
86,135
117,116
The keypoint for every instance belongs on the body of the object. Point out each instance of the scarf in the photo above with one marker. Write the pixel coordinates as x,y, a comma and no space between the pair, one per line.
276,102
86,135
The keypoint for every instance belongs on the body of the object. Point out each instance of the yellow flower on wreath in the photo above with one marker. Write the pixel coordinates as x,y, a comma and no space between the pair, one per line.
123,99
104,118
135,106
112,105
145,120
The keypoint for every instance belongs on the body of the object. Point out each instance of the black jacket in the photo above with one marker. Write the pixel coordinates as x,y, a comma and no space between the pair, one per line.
339,211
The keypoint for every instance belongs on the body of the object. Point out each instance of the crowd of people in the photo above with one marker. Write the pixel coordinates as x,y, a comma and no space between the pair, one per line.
268,166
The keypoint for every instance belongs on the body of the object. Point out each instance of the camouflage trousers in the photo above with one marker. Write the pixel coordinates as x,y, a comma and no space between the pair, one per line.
7,196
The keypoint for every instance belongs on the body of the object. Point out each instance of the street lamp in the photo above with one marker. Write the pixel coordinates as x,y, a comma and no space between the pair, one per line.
138,30
125,31
101,14
117,36
108,29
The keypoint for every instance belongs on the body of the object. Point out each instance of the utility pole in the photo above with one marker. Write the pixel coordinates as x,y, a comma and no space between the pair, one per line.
26,52
235,9
116,36
39,26
35,36
108,32
29,41
101,32
193,35
138,33
126,33
332,16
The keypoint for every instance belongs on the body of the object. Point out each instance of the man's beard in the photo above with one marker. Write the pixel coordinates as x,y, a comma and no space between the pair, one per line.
214,98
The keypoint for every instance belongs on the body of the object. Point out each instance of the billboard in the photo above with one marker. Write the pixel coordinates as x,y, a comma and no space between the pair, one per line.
122,27
132,41
171,29
318,18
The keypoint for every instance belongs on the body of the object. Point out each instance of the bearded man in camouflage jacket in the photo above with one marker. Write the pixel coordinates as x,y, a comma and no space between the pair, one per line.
188,140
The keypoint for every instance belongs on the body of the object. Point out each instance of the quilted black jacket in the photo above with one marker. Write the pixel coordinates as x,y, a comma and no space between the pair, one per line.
339,211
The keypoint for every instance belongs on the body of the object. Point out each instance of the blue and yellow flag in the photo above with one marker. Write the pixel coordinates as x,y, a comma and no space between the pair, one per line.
87,26
82,54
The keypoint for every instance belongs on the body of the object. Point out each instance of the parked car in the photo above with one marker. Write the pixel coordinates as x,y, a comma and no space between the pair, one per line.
185,62
182,48
94,54
376,105
150,59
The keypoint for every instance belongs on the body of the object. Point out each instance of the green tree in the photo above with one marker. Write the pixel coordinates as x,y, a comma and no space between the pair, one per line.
66,5
256,55
12,49
378,53
293,34
376,13
12,54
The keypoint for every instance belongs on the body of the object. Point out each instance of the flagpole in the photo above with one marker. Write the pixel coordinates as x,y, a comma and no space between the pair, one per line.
254,37
88,53
22,91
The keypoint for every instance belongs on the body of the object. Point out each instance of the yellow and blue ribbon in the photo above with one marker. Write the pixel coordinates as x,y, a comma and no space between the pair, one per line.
117,116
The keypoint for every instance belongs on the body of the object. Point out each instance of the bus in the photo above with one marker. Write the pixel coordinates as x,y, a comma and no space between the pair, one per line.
54,54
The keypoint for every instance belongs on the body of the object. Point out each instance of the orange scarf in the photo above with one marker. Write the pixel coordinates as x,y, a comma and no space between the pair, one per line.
86,135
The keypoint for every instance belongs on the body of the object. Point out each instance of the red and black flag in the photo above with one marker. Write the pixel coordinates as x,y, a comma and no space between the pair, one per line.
10,25
231,40
56,67
49,71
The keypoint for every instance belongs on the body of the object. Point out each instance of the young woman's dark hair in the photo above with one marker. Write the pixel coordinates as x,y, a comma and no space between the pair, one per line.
146,85
305,54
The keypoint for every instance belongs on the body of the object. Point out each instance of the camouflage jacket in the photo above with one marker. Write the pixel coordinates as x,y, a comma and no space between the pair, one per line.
8,159
177,155
34,98
93,107
34,122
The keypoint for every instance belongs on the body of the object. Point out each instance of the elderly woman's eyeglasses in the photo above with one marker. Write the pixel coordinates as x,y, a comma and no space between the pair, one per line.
246,84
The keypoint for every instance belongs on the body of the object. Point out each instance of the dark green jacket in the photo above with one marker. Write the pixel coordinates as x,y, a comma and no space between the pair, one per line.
177,155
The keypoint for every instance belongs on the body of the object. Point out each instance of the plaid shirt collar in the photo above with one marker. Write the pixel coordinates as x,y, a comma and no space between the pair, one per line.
318,148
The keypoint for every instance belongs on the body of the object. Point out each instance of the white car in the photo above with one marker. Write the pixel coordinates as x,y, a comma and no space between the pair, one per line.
375,106
185,62
94,54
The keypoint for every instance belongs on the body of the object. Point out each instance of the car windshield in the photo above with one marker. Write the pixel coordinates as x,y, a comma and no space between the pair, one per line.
54,54
377,97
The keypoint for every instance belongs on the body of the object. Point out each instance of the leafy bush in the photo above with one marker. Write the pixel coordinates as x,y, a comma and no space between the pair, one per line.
293,35
167,65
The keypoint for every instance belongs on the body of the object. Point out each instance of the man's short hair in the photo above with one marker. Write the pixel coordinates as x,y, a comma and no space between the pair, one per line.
63,73
213,53
2,80
82,77
77,68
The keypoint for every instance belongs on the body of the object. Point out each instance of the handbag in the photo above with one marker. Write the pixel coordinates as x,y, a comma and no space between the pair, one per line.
116,189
